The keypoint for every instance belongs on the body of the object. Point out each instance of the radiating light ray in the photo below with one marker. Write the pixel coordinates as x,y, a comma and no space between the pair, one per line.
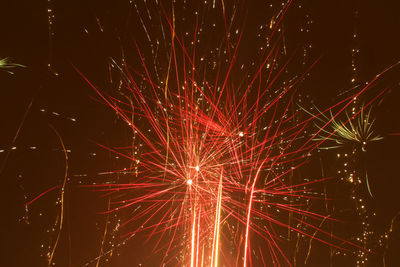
357,128
6,64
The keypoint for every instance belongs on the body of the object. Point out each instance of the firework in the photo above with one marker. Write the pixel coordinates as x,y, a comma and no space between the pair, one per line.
210,158
212,145
6,65
358,128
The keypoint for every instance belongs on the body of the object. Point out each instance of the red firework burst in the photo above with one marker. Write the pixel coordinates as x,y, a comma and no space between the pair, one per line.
210,159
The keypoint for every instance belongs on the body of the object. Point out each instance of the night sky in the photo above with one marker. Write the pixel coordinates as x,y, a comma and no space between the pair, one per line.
49,101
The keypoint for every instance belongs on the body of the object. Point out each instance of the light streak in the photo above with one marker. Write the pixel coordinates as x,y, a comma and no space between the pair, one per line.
192,254
217,224
6,65
62,196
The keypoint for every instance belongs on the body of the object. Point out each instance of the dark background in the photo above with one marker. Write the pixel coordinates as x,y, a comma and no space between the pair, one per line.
27,172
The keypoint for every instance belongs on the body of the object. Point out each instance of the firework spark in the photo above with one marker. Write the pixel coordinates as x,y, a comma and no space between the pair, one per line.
358,128
6,65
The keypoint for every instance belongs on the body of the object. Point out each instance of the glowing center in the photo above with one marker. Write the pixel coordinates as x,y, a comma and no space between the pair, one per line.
241,134
189,182
197,168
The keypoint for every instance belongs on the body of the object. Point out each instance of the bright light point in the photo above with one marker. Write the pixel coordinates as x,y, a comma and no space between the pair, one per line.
197,168
241,134
189,182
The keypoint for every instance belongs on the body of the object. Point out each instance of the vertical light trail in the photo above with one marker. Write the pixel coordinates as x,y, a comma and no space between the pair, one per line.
214,255
193,239
246,238
198,238
194,208
218,220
